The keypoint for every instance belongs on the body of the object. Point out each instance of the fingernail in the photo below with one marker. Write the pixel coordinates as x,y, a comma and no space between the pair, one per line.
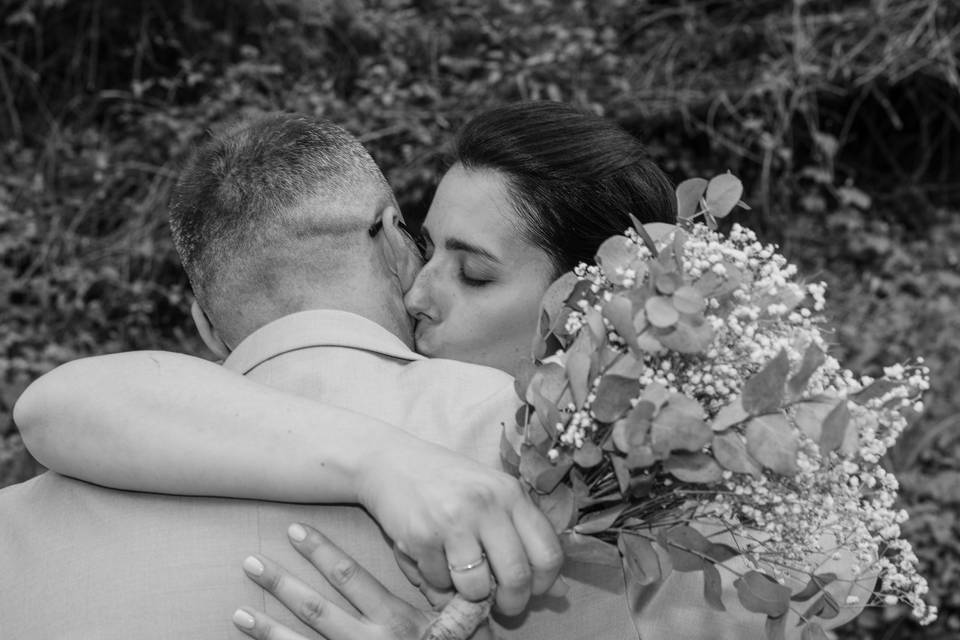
297,533
253,566
243,619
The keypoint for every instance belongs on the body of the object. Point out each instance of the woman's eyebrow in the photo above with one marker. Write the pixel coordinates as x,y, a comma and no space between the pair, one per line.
455,244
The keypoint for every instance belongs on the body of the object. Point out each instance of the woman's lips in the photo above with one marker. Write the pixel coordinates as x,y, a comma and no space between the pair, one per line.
424,338
421,336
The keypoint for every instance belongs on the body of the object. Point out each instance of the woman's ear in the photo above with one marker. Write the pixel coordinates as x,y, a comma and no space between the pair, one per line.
207,333
403,259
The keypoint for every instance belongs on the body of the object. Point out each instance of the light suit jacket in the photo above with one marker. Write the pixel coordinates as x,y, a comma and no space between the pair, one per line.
83,562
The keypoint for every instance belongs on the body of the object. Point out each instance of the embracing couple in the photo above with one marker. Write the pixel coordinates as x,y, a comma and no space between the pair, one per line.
364,369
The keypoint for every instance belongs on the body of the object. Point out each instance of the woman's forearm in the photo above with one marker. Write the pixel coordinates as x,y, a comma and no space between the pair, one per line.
171,423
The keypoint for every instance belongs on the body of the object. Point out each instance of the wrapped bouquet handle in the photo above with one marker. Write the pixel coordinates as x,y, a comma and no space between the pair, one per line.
459,619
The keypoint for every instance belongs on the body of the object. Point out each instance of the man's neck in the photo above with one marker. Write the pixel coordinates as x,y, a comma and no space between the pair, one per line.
255,316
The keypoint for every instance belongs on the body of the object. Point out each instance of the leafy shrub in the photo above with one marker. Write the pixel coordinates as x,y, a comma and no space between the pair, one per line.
843,119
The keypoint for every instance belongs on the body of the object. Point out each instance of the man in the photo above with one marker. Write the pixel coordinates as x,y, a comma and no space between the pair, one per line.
299,263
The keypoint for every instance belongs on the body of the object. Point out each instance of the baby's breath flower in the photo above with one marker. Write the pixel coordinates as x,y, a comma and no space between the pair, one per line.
763,312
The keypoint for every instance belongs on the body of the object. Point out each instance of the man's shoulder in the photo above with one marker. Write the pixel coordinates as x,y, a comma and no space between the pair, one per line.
15,493
461,378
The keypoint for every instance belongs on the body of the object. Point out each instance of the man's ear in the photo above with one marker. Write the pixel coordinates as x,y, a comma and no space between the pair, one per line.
208,334
403,259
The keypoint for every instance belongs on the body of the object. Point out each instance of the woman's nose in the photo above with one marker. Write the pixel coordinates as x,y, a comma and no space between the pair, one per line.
418,300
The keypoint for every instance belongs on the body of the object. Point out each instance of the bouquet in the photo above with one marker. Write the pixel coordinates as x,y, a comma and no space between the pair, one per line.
683,410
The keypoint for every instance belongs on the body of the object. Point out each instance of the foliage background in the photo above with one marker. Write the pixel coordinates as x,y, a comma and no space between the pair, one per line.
842,118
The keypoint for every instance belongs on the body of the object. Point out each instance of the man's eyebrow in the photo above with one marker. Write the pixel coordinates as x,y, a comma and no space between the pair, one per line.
455,244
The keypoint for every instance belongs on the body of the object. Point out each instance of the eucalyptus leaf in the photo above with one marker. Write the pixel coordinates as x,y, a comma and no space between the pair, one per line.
645,234
809,416
689,193
588,456
622,472
835,428
773,443
550,417
641,485
786,299
712,587
730,451
613,397
877,389
764,391
509,455
649,343
761,594
825,607
640,457
709,283
686,547
581,548
680,425
813,631
698,468
578,372
550,381
616,255
656,394
559,506
558,323
687,336
814,586
713,285
679,241
622,364
631,430
524,375
667,282
619,312
581,291
719,552
722,195
661,312
687,299
813,359
599,521
730,415
534,432
851,438
595,322
539,472
642,560
775,627
557,293
659,231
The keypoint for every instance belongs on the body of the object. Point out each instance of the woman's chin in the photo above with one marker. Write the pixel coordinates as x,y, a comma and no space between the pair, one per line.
425,346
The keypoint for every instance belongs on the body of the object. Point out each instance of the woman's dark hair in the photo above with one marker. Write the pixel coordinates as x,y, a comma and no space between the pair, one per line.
574,177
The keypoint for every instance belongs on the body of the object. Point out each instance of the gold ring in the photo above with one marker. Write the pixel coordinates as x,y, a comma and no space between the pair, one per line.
470,565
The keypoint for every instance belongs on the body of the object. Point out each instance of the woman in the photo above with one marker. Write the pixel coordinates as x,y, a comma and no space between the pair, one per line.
534,189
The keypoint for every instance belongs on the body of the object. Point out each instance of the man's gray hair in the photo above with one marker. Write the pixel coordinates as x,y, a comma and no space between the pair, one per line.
242,189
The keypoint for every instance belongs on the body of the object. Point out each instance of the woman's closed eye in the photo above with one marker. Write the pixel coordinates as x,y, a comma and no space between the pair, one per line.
473,280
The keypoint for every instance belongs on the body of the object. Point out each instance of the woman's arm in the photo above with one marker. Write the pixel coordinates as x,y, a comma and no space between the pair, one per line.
169,423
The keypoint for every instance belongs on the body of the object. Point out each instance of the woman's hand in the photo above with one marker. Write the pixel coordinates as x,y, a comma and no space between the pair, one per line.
383,615
476,519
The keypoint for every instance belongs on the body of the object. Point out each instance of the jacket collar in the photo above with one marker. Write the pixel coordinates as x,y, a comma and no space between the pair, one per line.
316,328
